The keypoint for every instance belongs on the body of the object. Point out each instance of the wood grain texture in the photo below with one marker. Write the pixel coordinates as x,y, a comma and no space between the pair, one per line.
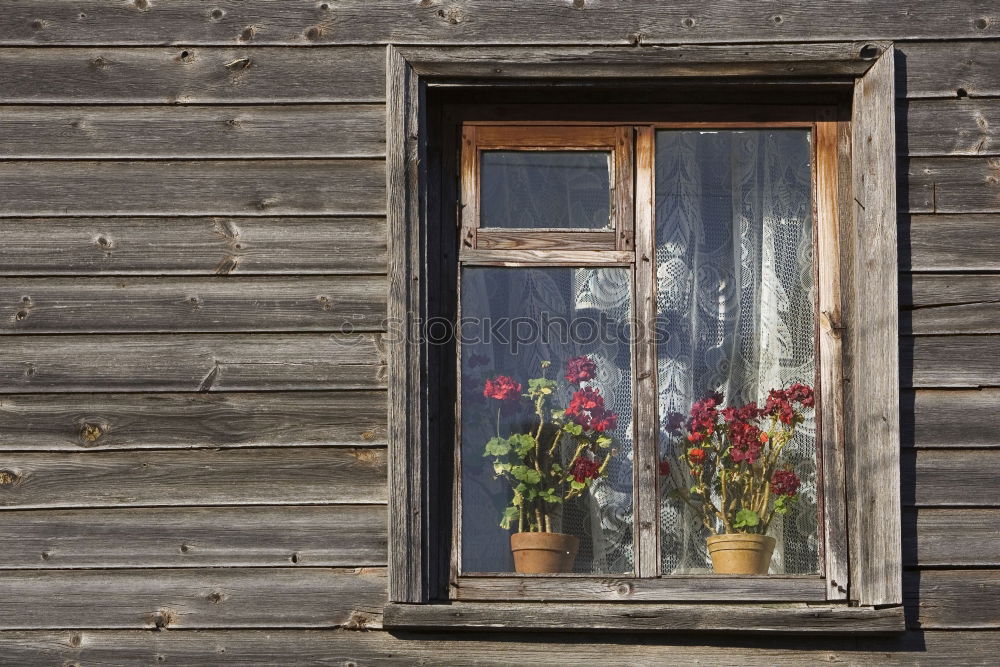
191,246
951,477
953,599
190,362
198,187
951,538
32,22
951,127
307,536
949,243
954,185
182,75
198,477
948,69
583,617
871,403
445,649
939,418
949,361
332,130
219,304
204,598
949,304
71,422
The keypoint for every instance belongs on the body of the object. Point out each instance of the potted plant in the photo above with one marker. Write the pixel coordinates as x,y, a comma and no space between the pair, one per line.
555,458
739,479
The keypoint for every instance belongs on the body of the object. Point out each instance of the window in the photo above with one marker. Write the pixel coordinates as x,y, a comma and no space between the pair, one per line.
679,251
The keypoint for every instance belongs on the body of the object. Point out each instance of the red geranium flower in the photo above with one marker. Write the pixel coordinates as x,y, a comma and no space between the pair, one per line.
502,388
580,369
696,457
584,469
785,483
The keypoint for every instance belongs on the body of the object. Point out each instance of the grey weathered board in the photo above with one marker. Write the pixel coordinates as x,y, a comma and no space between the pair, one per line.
951,537
953,184
193,187
249,536
950,361
329,130
156,478
179,75
192,362
203,598
144,305
73,422
950,127
949,243
950,477
33,22
447,649
192,246
950,418
949,304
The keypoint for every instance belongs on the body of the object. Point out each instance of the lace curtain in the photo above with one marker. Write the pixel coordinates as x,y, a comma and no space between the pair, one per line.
551,314
735,306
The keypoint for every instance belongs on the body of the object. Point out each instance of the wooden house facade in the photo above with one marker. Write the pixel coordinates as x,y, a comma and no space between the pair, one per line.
203,208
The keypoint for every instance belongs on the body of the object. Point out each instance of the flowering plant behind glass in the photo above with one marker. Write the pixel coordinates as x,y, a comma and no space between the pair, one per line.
739,481
534,462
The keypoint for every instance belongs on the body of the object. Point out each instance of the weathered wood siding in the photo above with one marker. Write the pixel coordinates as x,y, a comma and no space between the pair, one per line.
192,294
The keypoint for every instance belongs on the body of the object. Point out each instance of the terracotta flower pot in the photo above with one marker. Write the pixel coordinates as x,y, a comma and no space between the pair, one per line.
543,553
740,553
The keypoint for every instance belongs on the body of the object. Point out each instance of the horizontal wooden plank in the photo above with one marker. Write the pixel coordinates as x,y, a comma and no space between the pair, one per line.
196,187
443,648
179,75
950,477
949,361
611,589
197,477
949,243
143,305
961,126
951,537
569,616
191,246
203,598
192,362
940,418
953,185
952,599
332,130
478,21
325,536
949,304
69,422
948,69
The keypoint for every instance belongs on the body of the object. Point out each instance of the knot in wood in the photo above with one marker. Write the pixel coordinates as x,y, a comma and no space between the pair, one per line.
9,478
217,14
238,64
141,5
624,588
248,33
162,619
869,52
91,433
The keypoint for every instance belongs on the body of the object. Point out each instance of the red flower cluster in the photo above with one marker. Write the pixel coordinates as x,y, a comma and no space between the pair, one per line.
584,469
664,467
785,483
696,456
704,417
502,388
586,408
580,369
779,401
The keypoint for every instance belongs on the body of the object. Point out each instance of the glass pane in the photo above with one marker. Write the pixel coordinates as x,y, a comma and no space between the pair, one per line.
735,315
515,322
545,189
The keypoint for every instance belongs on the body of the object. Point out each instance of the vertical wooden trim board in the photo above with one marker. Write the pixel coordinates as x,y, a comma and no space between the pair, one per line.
872,347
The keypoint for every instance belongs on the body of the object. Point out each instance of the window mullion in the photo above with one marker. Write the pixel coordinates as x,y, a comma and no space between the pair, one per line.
646,432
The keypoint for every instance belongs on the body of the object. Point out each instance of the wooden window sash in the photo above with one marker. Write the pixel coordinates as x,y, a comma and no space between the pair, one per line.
648,583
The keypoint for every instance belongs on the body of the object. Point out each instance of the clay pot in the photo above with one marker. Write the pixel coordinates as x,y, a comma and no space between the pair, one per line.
543,553
740,553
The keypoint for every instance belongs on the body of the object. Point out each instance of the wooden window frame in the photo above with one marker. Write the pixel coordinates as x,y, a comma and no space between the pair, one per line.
858,338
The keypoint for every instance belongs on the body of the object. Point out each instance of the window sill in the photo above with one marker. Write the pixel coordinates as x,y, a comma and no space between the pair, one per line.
796,618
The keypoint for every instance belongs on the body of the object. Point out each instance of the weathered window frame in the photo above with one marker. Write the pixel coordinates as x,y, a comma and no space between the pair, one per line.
865,329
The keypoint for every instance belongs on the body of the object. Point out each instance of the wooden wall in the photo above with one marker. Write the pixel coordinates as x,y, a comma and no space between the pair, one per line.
192,289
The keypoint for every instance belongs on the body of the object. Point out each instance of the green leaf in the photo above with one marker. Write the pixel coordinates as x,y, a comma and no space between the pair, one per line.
497,447
499,467
558,414
510,515
578,486
574,429
745,518
556,468
522,443
604,441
